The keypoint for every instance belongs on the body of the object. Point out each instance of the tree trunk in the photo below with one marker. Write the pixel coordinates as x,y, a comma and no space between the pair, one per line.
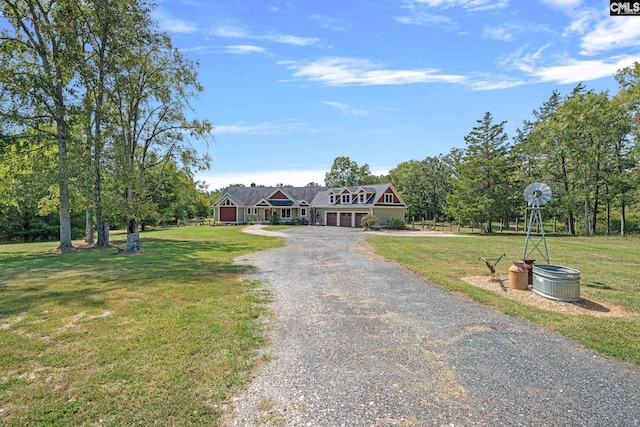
88,229
63,183
133,237
622,217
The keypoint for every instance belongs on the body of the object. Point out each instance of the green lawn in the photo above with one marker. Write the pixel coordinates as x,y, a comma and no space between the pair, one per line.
609,269
95,338
167,336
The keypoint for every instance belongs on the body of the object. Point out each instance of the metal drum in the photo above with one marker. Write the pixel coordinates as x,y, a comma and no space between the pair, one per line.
556,282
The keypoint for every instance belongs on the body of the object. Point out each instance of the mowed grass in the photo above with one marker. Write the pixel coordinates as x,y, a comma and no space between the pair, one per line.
609,271
159,338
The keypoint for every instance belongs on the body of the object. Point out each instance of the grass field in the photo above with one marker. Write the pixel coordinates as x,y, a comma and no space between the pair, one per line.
608,272
166,337
95,338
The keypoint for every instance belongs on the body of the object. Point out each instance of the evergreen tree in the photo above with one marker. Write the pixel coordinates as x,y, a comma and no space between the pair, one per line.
483,191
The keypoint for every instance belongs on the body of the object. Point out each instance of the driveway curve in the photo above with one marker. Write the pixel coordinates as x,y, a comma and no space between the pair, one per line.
358,340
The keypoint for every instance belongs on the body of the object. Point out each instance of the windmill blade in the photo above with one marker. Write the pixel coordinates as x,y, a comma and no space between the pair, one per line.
537,193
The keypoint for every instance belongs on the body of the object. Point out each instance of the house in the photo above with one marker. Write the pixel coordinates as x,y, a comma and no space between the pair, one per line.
341,207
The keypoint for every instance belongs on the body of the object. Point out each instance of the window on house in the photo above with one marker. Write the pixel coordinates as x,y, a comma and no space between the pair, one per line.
248,211
303,211
255,211
227,203
286,213
346,198
331,198
388,198
361,198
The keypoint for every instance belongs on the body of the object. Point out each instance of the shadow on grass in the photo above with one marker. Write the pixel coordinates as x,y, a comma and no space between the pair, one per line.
82,277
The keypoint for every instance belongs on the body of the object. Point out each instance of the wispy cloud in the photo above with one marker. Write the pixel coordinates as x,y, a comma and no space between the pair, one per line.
574,71
298,178
264,128
431,12
329,23
173,25
346,109
563,4
236,32
244,49
340,71
540,66
610,34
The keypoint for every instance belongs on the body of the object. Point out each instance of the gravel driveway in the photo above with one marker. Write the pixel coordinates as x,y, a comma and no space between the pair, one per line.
360,341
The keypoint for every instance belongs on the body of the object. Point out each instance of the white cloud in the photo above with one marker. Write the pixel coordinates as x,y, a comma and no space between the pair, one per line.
426,18
235,32
574,71
245,49
611,33
562,4
267,178
290,40
337,71
265,128
494,83
498,33
346,109
471,5
230,31
171,24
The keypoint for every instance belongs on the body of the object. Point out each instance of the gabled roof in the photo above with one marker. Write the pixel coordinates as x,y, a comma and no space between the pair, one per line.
252,196
306,196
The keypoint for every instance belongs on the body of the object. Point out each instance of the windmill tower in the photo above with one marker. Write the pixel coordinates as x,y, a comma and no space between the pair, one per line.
536,194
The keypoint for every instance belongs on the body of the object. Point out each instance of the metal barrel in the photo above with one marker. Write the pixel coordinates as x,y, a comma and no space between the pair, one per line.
556,282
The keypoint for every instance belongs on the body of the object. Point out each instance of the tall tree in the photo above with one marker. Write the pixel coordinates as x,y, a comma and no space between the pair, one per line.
424,186
347,173
627,151
543,156
106,31
483,190
152,95
37,53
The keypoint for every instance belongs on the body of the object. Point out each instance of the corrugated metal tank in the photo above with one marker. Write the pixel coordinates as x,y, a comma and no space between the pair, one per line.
556,282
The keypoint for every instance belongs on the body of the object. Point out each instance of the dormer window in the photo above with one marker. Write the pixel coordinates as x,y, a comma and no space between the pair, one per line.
361,198
331,199
346,198
388,198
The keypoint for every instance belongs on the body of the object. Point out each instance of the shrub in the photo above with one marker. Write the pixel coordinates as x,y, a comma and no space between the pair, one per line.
396,224
275,219
369,222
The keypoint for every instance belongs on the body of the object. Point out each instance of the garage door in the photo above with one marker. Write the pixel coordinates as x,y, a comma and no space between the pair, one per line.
228,214
345,219
359,217
332,218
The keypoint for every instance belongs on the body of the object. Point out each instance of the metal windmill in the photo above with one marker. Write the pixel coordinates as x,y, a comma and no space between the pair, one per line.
536,194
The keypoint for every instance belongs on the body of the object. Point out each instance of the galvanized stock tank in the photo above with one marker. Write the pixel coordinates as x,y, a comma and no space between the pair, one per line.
556,282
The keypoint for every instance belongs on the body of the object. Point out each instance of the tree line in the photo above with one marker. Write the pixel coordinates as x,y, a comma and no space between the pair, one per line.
95,128
94,120
583,145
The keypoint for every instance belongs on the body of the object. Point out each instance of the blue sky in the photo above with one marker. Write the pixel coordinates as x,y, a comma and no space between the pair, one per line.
291,85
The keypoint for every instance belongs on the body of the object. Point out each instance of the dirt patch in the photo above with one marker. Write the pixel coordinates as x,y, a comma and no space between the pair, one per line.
258,229
585,306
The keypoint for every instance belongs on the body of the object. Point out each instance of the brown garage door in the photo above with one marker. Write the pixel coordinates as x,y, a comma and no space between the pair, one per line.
345,219
359,216
332,218
228,214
